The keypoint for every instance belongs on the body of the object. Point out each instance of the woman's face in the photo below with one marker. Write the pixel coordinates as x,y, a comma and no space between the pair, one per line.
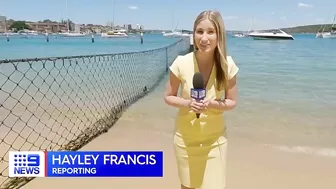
205,36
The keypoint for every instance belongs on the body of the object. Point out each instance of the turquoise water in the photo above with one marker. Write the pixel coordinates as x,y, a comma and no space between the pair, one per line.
36,46
287,91
299,72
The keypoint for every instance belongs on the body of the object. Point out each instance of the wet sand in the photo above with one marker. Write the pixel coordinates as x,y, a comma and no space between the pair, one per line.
251,164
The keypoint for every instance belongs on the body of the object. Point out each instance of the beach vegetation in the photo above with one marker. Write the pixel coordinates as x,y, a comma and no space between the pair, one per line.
19,25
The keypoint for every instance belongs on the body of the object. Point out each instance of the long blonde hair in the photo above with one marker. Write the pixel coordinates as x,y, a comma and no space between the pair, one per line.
220,51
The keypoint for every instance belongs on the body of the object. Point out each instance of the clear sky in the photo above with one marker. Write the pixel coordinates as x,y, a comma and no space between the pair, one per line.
161,14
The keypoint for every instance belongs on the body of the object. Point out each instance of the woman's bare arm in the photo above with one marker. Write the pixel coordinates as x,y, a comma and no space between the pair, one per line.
230,100
170,95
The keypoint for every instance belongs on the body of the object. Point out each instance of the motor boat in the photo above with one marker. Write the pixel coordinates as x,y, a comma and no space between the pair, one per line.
114,34
240,35
73,34
173,34
271,35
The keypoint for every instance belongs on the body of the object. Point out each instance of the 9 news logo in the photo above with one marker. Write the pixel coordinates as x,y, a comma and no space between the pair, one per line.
197,93
26,164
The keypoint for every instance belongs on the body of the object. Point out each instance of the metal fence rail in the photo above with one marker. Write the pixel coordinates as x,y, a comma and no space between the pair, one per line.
63,103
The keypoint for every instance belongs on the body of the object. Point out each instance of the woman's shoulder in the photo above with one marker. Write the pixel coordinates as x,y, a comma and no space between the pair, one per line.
182,65
230,60
189,55
232,67
184,60
186,57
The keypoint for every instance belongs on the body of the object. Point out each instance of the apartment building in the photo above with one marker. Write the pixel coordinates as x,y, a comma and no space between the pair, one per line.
47,27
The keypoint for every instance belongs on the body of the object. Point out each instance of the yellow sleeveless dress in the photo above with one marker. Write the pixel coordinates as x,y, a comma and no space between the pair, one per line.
200,144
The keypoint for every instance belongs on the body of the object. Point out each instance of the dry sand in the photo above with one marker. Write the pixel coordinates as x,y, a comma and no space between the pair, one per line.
251,165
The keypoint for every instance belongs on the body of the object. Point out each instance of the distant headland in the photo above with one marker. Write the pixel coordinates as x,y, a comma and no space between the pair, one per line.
307,28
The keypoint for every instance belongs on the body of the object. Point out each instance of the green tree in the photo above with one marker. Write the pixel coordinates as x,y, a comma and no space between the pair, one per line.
19,25
66,22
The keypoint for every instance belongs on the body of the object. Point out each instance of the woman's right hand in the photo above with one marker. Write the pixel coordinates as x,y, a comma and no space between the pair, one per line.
195,106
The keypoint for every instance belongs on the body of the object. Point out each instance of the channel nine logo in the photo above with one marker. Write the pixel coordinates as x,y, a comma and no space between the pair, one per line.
26,164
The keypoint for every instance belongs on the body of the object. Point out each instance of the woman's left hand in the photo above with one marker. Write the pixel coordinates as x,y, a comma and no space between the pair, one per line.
206,103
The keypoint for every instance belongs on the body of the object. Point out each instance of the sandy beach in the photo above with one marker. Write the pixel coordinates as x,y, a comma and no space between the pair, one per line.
251,165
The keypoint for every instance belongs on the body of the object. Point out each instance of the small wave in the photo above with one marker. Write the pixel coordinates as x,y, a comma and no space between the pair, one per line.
326,152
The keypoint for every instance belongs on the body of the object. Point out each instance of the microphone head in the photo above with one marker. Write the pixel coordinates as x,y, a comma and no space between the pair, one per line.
198,81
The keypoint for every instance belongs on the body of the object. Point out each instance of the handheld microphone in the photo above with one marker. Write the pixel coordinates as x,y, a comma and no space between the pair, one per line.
198,92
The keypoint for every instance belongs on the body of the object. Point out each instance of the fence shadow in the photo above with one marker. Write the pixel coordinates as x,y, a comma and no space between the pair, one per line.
63,103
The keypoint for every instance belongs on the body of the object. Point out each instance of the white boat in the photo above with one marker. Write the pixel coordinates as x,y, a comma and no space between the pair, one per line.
240,35
186,34
276,34
332,33
27,32
115,34
319,35
173,34
72,34
319,32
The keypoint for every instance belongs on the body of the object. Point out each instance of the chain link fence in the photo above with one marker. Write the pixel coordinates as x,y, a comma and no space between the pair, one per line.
63,103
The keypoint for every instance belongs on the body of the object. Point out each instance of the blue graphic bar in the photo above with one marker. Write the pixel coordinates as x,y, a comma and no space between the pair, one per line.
104,164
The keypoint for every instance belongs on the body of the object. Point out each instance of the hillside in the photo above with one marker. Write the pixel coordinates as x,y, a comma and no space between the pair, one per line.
307,28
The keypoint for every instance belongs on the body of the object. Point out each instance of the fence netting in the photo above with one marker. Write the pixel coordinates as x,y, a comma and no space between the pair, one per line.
63,103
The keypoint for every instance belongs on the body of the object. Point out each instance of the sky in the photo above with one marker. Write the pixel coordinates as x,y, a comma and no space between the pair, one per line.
171,14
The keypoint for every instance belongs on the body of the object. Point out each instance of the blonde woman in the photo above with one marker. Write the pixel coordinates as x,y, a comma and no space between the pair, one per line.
200,143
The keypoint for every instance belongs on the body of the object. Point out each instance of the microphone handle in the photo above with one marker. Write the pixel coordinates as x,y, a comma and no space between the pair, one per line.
198,114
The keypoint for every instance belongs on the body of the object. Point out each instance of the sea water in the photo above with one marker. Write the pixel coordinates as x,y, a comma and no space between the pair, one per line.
31,46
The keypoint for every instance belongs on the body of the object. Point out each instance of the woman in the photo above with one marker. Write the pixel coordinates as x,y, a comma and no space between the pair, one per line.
200,143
